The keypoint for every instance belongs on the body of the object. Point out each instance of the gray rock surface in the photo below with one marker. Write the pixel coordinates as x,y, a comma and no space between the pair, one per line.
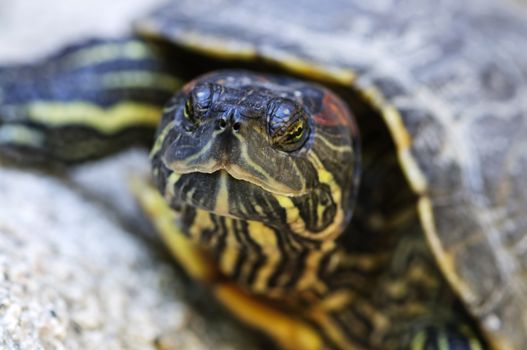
72,278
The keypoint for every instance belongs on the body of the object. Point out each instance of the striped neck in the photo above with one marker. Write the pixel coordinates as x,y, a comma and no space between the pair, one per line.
264,259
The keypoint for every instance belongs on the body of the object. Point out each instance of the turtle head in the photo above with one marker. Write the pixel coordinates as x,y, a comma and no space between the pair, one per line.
260,148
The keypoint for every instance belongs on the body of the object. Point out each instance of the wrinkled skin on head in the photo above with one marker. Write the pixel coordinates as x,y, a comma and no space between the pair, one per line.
260,148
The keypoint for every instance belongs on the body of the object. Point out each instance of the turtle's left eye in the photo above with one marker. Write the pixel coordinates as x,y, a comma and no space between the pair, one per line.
198,102
287,125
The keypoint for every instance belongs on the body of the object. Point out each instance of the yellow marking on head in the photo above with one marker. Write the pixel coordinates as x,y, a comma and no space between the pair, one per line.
222,196
230,253
169,187
298,226
333,147
269,180
130,50
140,79
202,161
21,135
161,138
323,175
320,212
293,217
105,120
183,167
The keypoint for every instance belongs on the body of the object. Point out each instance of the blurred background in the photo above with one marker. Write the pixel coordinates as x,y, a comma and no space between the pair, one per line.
31,28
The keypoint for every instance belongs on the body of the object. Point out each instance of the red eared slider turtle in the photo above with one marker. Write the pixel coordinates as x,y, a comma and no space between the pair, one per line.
263,172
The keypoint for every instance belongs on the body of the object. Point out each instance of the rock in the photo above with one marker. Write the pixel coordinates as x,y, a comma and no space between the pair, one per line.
72,276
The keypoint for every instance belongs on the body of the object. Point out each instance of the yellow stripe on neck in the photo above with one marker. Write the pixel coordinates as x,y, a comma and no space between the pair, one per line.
105,120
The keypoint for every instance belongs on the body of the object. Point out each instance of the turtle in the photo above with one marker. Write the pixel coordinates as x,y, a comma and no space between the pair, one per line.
343,175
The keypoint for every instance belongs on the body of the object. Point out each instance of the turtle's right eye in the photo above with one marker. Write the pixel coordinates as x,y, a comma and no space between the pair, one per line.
198,103
287,125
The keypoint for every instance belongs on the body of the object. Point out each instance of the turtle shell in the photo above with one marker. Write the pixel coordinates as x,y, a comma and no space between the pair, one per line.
449,79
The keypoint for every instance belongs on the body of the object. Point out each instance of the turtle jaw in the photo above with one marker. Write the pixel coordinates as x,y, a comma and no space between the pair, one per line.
315,215
236,172
221,193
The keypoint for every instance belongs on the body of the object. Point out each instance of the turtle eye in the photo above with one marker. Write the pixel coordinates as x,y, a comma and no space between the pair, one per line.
287,125
198,102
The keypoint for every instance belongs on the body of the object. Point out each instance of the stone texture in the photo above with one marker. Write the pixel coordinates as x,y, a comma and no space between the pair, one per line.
71,277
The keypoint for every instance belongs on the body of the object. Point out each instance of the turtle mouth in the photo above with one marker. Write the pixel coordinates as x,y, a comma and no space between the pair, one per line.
220,192
238,173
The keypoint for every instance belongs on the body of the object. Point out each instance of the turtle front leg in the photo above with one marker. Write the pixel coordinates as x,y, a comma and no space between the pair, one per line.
287,331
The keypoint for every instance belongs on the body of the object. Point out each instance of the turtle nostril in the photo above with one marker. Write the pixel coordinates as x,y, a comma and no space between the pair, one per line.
223,123
236,126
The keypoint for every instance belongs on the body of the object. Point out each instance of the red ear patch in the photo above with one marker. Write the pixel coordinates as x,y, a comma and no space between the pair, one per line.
334,113
187,88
